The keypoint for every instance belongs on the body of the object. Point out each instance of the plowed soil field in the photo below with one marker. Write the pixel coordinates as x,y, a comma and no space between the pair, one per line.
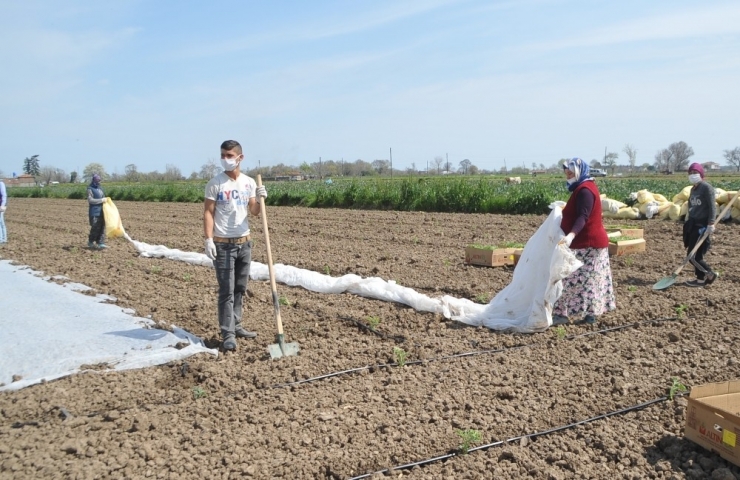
234,416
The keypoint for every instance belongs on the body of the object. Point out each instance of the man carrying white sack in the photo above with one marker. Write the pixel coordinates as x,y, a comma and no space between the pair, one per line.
229,197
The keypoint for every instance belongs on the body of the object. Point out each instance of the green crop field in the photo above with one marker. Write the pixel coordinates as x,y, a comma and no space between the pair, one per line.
472,194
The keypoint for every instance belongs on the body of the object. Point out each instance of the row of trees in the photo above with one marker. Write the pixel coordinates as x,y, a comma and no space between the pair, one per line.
674,158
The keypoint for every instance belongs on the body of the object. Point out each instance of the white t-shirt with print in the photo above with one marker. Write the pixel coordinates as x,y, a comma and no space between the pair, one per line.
232,204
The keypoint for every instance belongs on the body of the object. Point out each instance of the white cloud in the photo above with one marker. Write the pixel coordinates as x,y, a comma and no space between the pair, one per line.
335,26
704,21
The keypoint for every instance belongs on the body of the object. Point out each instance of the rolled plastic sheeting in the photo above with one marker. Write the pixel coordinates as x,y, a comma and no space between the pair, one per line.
525,305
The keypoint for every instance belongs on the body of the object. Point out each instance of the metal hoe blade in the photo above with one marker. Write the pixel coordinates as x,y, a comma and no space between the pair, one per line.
664,283
282,349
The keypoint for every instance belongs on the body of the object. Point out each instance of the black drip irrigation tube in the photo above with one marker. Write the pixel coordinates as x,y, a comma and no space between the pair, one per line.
458,355
428,461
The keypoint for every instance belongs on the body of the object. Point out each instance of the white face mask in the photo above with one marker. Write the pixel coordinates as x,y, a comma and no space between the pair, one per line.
229,164
694,178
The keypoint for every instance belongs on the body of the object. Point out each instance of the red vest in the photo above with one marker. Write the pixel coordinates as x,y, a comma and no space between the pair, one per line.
593,234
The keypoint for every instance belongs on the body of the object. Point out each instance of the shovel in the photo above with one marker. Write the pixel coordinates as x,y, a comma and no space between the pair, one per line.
279,349
666,282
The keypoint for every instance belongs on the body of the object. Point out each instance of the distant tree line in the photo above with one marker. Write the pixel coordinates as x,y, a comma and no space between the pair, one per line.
676,157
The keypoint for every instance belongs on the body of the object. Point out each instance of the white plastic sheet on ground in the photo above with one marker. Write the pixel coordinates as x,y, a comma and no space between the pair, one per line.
525,305
50,331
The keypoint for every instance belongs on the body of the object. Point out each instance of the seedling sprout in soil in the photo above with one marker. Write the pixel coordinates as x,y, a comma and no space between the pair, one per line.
469,437
621,238
199,392
676,387
560,332
283,300
482,298
480,246
400,355
681,309
632,288
373,322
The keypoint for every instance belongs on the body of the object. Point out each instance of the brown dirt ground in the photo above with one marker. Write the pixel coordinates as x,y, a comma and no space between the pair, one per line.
148,423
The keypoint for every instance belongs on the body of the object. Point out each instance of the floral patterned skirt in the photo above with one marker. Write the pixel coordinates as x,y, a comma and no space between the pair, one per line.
588,290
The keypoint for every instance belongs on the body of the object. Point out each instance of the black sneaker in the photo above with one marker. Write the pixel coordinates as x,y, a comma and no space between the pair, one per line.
695,283
588,320
229,344
559,320
241,332
710,278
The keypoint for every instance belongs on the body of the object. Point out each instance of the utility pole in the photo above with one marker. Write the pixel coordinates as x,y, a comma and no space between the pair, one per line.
391,153
447,163
505,170
320,176
342,166
604,157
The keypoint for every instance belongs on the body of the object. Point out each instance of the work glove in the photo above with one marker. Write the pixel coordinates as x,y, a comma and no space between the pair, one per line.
710,229
210,249
261,191
3,208
567,240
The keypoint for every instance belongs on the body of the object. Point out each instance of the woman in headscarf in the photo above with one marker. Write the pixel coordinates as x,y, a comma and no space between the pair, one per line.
96,198
702,211
589,290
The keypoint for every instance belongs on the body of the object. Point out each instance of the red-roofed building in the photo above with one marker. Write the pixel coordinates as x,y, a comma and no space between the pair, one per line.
24,180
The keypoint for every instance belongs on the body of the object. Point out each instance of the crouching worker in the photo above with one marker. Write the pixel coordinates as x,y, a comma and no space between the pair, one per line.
229,197
589,290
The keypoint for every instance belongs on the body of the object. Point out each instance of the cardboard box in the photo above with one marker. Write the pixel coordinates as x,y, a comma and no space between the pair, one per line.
626,230
626,247
517,256
490,257
713,418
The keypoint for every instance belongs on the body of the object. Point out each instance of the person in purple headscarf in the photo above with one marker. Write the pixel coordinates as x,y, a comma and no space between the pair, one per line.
589,291
95,199
700,218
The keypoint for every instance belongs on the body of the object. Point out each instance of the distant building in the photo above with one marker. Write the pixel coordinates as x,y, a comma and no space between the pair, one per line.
24,180
711,166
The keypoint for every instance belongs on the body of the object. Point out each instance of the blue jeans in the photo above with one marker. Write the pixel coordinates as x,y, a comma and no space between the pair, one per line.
3,231
232,272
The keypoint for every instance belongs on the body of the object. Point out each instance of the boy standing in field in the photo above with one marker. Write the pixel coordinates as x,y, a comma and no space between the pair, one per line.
229,197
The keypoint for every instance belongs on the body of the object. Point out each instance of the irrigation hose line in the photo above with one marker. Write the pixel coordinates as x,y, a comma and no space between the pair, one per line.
427,461
459,355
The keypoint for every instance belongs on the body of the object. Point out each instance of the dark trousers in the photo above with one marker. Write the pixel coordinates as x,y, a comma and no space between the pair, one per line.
691,233
97,230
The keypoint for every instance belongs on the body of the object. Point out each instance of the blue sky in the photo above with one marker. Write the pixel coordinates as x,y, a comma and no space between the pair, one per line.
165,82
